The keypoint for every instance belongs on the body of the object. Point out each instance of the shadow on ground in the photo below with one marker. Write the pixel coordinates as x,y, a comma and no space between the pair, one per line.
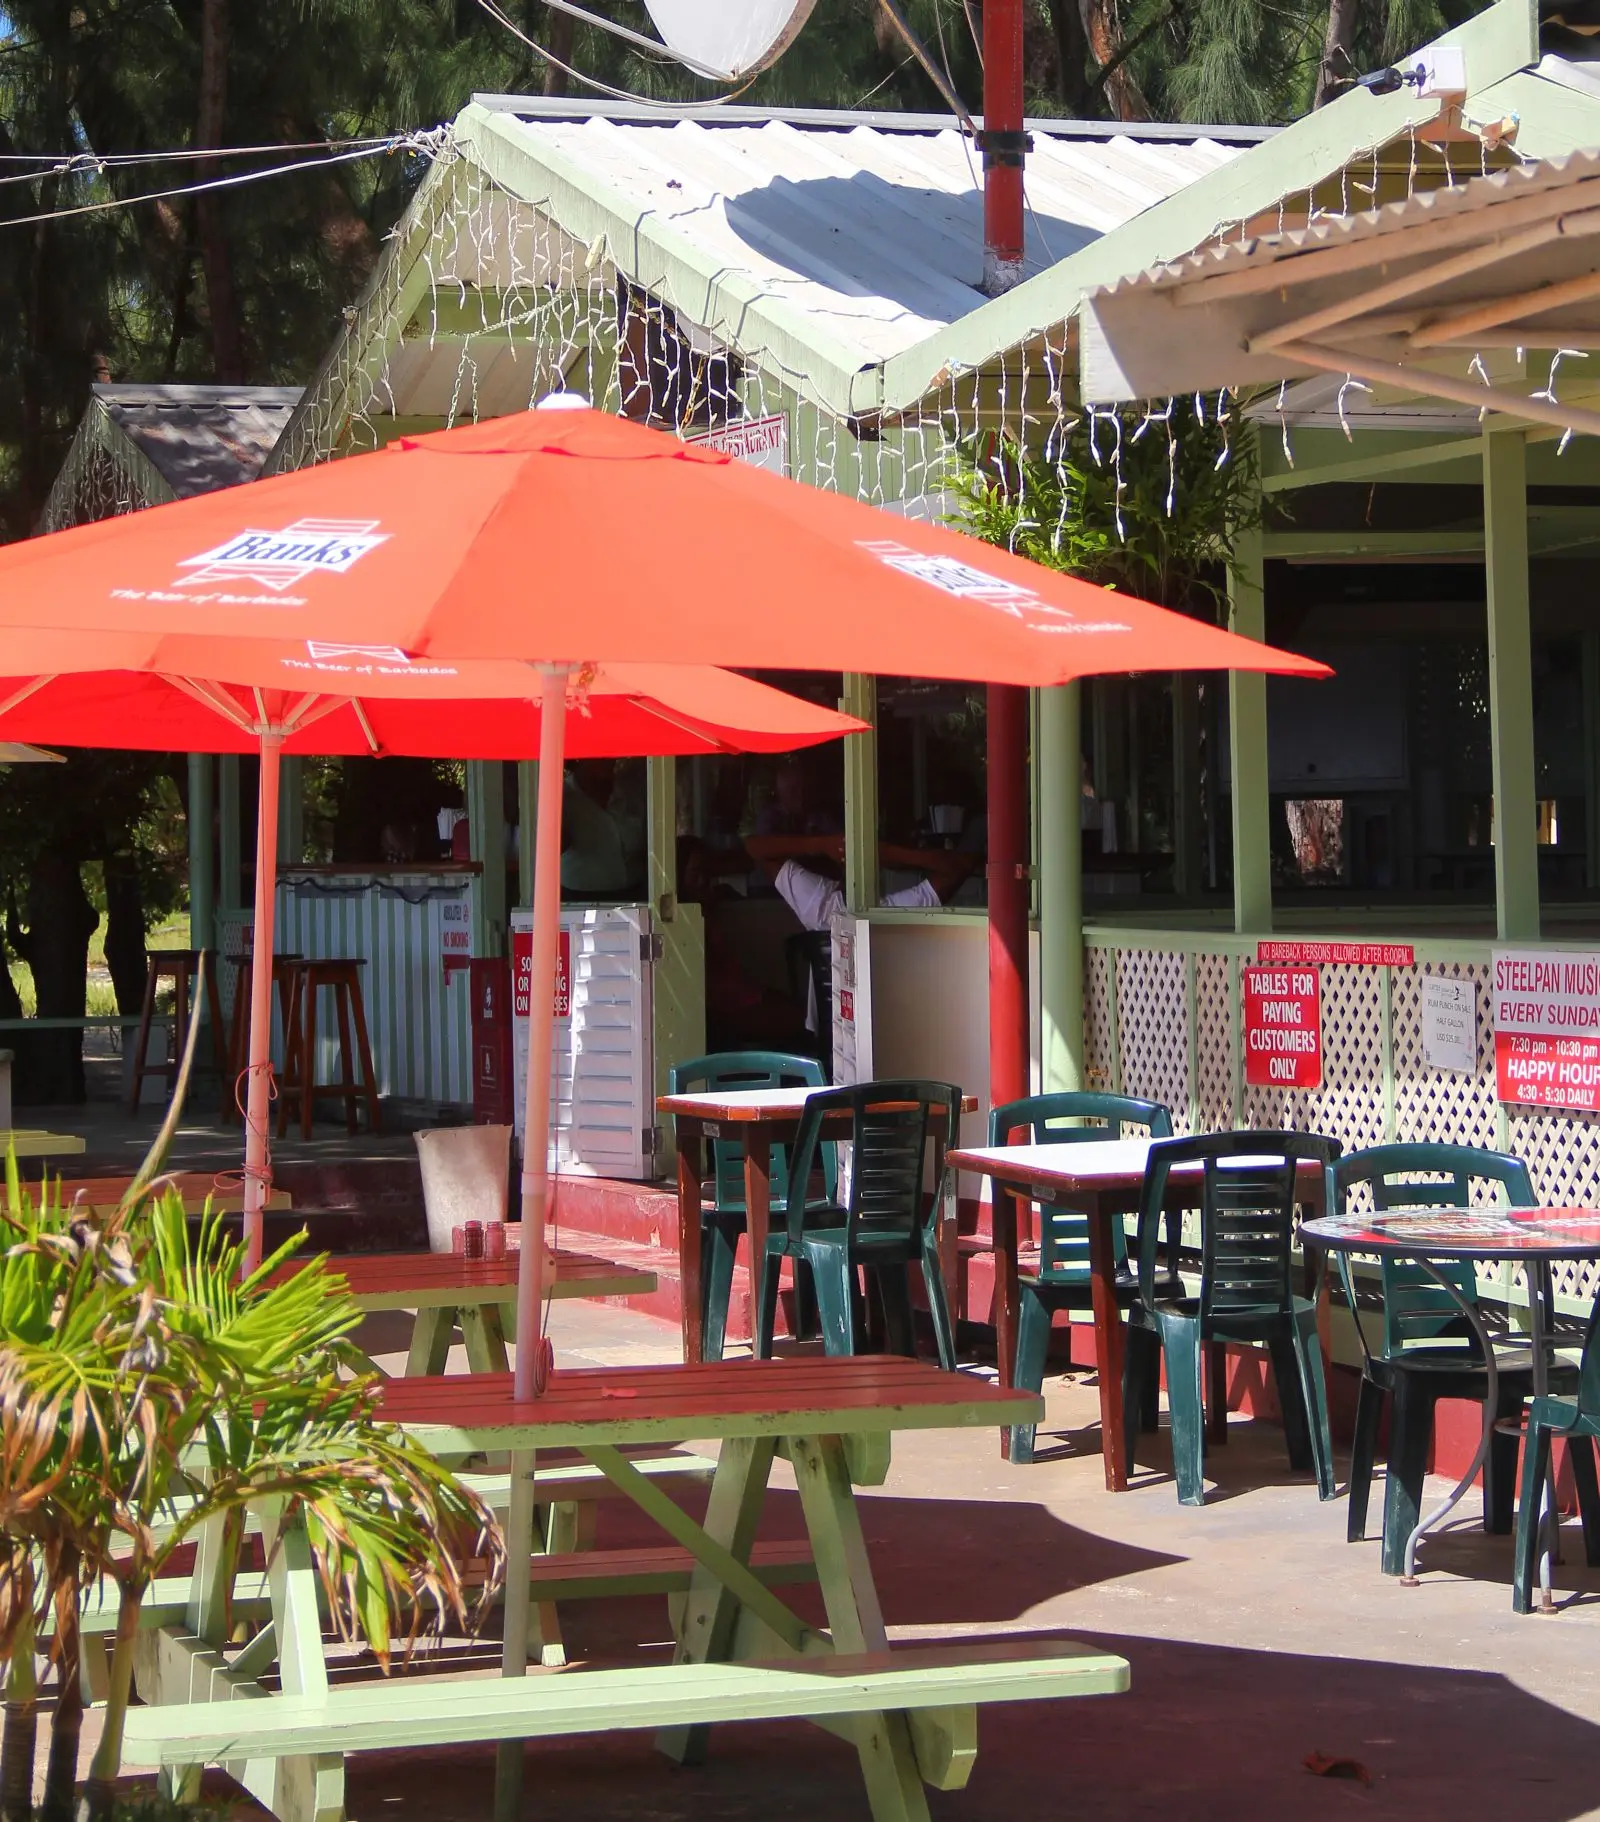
1204,1733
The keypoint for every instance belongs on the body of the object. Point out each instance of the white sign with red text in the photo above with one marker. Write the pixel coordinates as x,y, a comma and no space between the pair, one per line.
1547,1027
762,442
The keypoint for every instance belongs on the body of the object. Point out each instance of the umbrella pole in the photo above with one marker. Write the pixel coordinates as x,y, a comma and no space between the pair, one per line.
532,1367
258,1078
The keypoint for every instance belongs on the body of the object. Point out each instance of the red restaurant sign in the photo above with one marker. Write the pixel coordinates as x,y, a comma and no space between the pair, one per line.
1547,1028
1340,955
1282,1027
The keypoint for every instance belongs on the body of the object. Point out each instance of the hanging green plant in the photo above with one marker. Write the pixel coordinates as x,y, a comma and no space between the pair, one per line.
1149,501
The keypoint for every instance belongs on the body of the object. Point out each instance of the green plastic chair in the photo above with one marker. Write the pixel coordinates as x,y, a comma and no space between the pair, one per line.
1246,1251
886,1223
723,1219
1062,1279
1427,1349
1577,1419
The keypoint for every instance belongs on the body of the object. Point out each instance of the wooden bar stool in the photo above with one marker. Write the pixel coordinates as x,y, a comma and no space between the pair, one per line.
239,1024
183,967
307,978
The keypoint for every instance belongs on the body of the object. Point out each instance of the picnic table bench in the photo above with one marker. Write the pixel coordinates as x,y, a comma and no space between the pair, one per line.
196,1187
741,1653
479,1295
33,1142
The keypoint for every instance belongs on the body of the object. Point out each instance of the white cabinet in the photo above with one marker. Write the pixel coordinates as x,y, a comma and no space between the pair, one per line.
602,1086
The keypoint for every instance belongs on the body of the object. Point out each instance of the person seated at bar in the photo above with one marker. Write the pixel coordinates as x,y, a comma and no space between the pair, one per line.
815,895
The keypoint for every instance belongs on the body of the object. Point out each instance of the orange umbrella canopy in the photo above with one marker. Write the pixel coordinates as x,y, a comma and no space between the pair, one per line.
186,695
574,536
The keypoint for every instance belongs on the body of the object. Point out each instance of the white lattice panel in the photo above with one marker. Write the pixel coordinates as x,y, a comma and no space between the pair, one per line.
1436,1104
1214,1040
1349,1105
1562,1149
1097,1018
1153,1015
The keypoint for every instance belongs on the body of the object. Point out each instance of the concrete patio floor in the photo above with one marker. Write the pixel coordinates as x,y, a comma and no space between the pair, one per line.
1256,1636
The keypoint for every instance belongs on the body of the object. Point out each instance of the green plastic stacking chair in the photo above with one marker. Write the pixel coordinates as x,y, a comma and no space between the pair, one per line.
1577,1419
886,1222
1061,1281
1427,1349
1247,1202
723,1219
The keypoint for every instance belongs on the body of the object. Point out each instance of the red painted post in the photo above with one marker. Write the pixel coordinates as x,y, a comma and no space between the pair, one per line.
1004,145
1008,893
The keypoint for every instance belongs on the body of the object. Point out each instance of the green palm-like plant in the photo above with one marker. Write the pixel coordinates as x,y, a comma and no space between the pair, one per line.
1152,503
148,1390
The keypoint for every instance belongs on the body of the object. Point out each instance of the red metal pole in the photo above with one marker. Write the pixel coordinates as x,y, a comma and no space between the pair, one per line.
1008,893
1004,145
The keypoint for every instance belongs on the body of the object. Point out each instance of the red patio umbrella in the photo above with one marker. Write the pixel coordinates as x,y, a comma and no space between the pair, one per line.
353,701
566,537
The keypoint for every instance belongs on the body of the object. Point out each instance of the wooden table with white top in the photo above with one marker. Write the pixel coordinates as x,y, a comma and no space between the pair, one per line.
1102,1178
757,1119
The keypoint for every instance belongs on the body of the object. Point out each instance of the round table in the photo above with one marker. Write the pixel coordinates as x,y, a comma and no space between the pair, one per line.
1535,1238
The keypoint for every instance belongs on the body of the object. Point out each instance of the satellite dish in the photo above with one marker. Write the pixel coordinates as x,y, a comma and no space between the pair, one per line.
729,39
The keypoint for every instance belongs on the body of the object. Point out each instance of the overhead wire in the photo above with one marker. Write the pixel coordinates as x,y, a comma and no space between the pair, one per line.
428,142
64,159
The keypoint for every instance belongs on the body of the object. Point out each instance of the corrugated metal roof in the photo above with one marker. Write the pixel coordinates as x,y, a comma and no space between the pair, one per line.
874,235
1569,174
1441,295
199,438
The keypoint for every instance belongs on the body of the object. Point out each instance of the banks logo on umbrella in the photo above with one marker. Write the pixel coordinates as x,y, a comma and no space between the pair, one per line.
280,559
969,583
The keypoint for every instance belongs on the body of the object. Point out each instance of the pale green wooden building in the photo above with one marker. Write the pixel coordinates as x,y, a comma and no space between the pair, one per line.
816,275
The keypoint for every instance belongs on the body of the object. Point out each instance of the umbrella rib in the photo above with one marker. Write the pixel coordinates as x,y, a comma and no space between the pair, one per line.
310,708
27,690
366,726
652,707
210,696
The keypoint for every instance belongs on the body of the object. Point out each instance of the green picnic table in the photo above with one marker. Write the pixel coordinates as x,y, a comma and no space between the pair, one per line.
742,1653
479,1295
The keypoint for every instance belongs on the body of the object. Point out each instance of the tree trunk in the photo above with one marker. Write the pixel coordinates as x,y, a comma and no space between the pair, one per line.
1072,51
1338,65
222,303
100,1793
18,1744
1102,25
559,28
55,946
61,1770
125,952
